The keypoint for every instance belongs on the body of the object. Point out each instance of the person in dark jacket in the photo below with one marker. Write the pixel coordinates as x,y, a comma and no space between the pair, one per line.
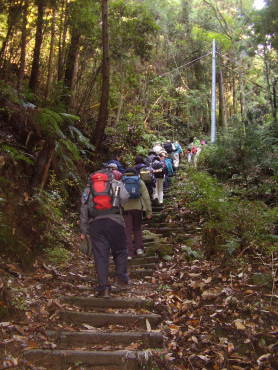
106,232
140,165
120,166
150,157
133,213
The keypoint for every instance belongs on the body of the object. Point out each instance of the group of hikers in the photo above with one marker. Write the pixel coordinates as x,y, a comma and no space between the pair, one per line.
114,202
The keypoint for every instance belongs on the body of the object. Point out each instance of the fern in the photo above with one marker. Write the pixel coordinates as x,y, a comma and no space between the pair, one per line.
50,123
16,154
83,140
72,149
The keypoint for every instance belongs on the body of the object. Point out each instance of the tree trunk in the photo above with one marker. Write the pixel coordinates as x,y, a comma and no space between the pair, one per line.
4,47
23,43
242,98
88,91
274,99
234,95
122,96
62,41
51,52
42,166
71,67
103,110
267,77
34,78
222,103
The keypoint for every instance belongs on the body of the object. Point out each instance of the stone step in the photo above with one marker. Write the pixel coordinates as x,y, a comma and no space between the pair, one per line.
143,259
113,302
105,319
148,239
165,230
164,224
146,266
155,243
135,266
140,273
90,338
157,209
101,360
136,273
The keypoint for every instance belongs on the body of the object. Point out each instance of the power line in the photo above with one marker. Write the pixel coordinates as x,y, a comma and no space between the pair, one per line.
182,66
239,72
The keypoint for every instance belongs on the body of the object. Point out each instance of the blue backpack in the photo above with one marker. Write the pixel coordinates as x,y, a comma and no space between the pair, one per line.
169,166
132,185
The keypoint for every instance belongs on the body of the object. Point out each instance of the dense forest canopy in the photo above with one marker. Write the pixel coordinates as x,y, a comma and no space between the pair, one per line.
86,81
82,80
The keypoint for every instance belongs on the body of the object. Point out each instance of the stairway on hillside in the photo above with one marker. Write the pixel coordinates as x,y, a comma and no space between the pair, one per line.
122,332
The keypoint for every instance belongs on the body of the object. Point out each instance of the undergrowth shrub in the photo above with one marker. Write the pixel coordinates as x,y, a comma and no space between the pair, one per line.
246,151
58,255
30,225
230,224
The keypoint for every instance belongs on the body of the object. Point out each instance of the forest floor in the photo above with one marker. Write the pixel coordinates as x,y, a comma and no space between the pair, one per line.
217,314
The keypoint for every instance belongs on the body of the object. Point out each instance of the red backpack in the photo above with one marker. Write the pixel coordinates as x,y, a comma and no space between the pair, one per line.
101,198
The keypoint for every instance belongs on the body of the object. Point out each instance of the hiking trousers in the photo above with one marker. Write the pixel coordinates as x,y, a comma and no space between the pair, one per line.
108,235
133,223
158,191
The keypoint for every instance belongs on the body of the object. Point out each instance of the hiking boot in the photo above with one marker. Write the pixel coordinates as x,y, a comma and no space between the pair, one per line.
122,285
105,293
139,252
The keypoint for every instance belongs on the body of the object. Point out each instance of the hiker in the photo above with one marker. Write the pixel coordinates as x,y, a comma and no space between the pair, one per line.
146,173
149,159
169,147
158,166
157,148
102,220
117,159
116,173
169,169
139,202
177,155
191,150
197,148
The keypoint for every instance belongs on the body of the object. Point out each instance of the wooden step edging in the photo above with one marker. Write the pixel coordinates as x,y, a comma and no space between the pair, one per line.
103,319
143,259
89,337
113,302
124,358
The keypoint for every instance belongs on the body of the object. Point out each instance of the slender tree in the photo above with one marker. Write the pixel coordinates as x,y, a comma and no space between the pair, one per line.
51,53
103,110
34,78
23,43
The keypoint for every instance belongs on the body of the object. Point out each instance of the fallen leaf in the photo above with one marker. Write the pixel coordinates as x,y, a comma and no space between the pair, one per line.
148,325
239,324
230,347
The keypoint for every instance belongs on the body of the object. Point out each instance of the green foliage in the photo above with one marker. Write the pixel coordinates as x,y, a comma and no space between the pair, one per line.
58,255
132,26
16,154
8,92
242,151
42,228
204,35
191,253
50,123
231,225
265,21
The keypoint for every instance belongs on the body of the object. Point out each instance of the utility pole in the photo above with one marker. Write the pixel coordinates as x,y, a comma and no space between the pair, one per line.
213,94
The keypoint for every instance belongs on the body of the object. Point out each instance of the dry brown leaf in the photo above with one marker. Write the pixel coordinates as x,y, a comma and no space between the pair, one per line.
148,325
239,324
230,347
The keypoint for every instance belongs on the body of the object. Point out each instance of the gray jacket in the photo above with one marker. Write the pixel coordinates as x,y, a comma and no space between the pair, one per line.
85,218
